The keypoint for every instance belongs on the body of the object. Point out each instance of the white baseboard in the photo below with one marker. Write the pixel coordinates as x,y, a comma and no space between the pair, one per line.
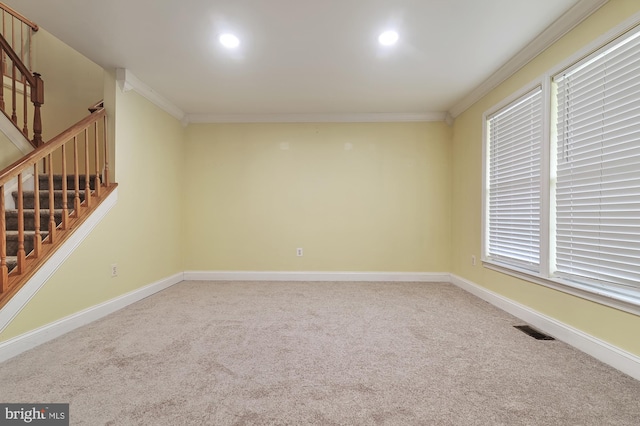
31,339
315,276
617,358
26,293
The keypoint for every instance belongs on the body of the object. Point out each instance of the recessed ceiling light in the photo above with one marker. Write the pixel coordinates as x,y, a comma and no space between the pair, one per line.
229,41
388,38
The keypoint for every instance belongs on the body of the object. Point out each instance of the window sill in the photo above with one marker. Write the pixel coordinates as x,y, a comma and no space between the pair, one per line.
627,300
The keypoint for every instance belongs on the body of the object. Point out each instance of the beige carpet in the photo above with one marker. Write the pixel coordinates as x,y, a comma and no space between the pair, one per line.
317,353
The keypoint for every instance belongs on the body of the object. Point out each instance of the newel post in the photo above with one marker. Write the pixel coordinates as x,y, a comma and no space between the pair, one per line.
37,98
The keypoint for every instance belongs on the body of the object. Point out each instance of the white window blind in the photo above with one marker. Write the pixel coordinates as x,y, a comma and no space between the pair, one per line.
513,198
597,217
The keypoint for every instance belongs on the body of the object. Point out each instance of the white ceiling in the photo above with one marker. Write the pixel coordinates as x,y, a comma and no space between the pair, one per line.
302,56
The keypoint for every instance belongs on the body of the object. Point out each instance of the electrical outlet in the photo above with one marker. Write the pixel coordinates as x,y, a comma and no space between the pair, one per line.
114,270
473,260
299,252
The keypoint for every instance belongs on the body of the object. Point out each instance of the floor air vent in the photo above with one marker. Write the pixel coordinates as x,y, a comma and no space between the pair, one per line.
533,332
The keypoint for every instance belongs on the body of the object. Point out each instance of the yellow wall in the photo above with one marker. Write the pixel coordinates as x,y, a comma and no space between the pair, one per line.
141,233
72,83
9,153
619,328
355,197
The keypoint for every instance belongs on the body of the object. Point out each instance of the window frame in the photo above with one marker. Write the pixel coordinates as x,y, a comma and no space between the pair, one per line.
625,299
486,117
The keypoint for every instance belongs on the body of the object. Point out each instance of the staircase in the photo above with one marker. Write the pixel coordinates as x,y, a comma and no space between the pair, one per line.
38,215
46,195
31,237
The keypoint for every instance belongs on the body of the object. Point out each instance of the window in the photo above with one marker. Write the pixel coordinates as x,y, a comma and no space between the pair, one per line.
597,194
513,193
562,195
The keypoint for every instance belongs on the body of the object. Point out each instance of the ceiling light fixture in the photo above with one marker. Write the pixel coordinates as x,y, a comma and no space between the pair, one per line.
229,41
388,38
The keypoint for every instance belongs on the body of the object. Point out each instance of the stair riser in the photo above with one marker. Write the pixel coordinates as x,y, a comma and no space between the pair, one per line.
28,200
57,182
12,244
12,221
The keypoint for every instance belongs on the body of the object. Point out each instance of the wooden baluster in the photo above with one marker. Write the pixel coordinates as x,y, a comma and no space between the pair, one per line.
76,178
65,207
87,177
14,117
22,58
106,152
4,58
37,237
30,50
4,270
21,254
37,98
18,46
4,70
52,203
25,127
97,159
11,19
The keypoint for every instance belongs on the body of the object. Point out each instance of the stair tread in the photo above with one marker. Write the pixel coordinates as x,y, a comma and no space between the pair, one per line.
29,218
12,212
60,198
26,232
59,179
59,175
12,262
46,191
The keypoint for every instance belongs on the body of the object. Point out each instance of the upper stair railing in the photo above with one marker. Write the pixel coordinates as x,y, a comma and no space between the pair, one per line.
25,88
47,194
17,30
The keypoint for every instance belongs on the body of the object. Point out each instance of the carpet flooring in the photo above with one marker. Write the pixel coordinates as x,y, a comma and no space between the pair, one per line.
298,353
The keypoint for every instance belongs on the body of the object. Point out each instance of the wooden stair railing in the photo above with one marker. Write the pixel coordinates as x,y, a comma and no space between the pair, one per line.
18,16
17,30
69,177
28,83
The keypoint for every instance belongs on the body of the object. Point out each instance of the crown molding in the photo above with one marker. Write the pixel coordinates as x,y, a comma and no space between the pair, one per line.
128,81
569,20
316,118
